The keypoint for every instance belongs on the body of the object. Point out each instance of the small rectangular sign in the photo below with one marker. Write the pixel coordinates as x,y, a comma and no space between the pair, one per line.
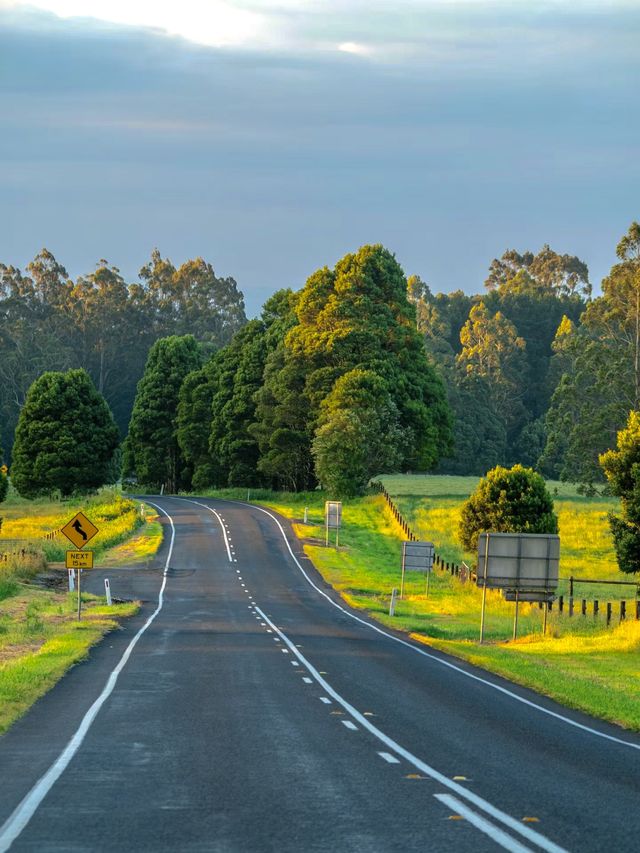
417,556
527,562
79,559
333,514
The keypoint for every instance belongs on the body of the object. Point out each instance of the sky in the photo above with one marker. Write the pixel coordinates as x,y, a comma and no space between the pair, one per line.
272,138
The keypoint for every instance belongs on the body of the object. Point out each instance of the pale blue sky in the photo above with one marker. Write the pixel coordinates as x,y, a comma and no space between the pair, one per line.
272,138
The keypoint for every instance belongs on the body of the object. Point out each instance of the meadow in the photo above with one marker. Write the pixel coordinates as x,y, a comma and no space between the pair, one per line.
40,637
580,662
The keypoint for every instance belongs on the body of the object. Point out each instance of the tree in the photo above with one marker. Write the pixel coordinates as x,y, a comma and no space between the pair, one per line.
358,434
152,449
599,362
357,316
622,470
66,437
514,500
4,482
564,274
493,351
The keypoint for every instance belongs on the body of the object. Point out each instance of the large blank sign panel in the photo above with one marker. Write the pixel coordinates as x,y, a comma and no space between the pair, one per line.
522,561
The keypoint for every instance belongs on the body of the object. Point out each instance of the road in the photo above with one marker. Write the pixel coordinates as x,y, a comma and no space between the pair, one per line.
253,711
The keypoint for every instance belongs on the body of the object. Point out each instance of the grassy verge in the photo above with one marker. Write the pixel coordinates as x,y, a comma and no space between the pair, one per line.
40,639
582,664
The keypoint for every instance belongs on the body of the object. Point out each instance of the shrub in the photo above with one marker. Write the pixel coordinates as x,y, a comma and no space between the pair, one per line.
622,469
507,500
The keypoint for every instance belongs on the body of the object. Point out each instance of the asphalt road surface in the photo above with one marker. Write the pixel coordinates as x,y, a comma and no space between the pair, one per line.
248,709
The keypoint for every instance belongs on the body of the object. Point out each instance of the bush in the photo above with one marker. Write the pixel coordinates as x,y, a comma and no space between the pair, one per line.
507,500
4,486
622,469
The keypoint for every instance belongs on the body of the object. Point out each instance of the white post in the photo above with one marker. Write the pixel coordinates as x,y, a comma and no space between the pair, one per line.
162,489
392,605
141,510
107,591
72,583
306,515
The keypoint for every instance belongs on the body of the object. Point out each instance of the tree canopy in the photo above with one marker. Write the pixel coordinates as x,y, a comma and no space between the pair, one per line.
514,500
152,452
66,437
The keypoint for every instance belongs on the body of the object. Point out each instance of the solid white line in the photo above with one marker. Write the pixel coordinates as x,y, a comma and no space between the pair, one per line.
440,660
25,810
388,757
494,832
220,519
530,834
349,725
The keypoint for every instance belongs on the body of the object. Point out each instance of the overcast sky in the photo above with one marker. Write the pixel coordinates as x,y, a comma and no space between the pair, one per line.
273,137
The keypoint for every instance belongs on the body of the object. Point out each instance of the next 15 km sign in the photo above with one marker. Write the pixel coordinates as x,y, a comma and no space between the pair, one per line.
79,531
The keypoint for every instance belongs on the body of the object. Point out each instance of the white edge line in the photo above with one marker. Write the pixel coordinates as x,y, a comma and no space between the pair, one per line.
533,836
494,832
441,661
24,811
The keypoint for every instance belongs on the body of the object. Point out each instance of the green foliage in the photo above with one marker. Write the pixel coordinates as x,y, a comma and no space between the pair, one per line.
358,434
152,450
512,500
622,470
65,439
599,362
4,486
480,437
103,324
357,316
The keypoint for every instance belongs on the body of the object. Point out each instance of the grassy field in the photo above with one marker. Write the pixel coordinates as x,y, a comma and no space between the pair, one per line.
40,637
581,663
27,522
431,505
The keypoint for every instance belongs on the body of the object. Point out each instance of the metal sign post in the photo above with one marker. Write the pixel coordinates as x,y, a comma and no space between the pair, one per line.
524,566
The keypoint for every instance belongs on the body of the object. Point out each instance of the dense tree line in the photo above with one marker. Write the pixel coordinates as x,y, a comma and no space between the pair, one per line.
331,385
103,324
359,372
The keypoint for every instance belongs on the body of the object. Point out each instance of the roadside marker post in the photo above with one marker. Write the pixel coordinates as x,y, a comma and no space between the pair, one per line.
107,591
72,584
392,603
79,531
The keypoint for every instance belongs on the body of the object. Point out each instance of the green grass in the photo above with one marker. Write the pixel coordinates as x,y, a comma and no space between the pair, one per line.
27,522
581,664
432,504
40,639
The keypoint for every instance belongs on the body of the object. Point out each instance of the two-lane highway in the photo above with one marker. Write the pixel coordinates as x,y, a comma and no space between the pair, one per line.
248,709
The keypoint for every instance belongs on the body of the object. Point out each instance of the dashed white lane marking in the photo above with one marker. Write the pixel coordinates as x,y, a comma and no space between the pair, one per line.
479,802
285,651
307,680
388,757
497,814
325,699
26,809
349,725
477,678
295,663
483,825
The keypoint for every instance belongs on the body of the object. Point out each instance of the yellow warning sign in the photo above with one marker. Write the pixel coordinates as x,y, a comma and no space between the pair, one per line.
79,559
79,531
4,470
